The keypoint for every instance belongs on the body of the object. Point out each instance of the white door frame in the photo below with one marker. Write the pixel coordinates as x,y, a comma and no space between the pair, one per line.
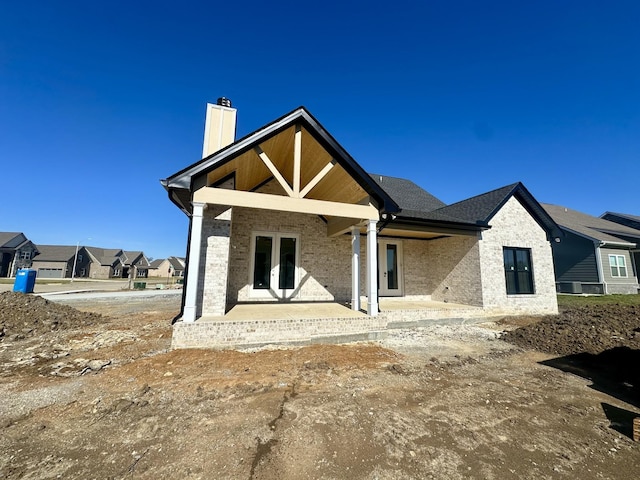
383,269
274,279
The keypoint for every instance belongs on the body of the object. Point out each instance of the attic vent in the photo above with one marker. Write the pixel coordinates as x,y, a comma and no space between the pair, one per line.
224,102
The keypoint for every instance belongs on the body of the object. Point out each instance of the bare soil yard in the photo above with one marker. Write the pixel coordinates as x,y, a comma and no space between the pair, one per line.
102,396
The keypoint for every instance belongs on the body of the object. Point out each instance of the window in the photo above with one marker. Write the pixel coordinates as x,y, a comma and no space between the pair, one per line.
116,272
518,271
79,257
618,266
25,255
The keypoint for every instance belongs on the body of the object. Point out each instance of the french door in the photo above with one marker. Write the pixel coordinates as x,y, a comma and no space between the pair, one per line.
390,276
274,265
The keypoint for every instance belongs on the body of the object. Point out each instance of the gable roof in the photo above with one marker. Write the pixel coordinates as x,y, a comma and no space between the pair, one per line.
181,184
12,239
591,227
105,256
55,253
475,213
136,257
157,262
177,263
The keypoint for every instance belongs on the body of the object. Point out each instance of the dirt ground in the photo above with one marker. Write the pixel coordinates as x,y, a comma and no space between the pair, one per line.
102,397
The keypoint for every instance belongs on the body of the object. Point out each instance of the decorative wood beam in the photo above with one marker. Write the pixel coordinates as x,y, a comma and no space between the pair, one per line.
276,173
297,160
315,180
264,201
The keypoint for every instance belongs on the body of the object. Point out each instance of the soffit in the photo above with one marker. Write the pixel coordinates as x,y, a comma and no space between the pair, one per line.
251,172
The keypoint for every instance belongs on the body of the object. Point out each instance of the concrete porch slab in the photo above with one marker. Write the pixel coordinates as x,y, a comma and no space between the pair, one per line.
291,310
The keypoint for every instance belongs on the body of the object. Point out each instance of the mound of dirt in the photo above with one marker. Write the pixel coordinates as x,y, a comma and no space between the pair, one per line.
592,329
23,316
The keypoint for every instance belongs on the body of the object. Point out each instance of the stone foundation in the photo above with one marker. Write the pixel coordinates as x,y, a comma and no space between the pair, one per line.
255,333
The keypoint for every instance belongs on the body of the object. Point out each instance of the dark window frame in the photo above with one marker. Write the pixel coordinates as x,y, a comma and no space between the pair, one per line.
518,271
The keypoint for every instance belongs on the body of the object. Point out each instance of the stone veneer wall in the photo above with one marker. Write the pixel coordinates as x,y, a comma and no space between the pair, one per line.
214,261
100,271
512,226
445,269
252,333
324,263
452,267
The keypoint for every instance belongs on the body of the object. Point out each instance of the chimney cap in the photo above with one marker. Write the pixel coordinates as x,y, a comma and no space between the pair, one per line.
224,101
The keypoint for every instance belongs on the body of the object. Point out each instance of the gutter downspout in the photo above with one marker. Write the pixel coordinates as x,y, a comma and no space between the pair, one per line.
599,266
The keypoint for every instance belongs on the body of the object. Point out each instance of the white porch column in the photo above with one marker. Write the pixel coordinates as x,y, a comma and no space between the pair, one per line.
355,268
193,272
372,268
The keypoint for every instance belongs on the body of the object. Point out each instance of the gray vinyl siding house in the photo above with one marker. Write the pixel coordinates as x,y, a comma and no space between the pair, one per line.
630,221
595,256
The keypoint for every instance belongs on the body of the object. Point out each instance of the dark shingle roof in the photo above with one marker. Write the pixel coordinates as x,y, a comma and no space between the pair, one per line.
418,205
481,208
590,226
106,256
156,263
177,262
6,237
55,253
407,194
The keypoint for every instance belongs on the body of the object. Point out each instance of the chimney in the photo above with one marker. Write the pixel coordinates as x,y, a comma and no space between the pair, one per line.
219,126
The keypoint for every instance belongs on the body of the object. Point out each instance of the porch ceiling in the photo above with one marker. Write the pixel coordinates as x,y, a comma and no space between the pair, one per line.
251,171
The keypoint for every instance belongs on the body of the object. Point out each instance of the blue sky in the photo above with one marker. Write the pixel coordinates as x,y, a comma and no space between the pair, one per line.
101,100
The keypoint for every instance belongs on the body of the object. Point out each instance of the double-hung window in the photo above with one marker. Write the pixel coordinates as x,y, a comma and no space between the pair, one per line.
618,266
518,270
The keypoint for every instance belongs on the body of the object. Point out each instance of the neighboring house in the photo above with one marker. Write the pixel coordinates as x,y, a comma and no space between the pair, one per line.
135,264
280,216
595,256
16,251
177,266
117,263
106,262
167,267
57,261
631,221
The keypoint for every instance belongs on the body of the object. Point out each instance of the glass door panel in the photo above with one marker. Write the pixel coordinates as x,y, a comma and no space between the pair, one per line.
262,263
390,268
287,269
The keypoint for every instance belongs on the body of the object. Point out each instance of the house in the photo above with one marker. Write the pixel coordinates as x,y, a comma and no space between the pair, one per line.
117,263
105,262
631,221
58,261
285,215
16,251
595,256
135,264
167,267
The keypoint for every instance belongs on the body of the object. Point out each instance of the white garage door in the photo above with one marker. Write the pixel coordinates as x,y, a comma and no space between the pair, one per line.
50,273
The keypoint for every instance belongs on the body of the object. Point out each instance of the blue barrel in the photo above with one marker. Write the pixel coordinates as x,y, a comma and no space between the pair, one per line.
25,280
